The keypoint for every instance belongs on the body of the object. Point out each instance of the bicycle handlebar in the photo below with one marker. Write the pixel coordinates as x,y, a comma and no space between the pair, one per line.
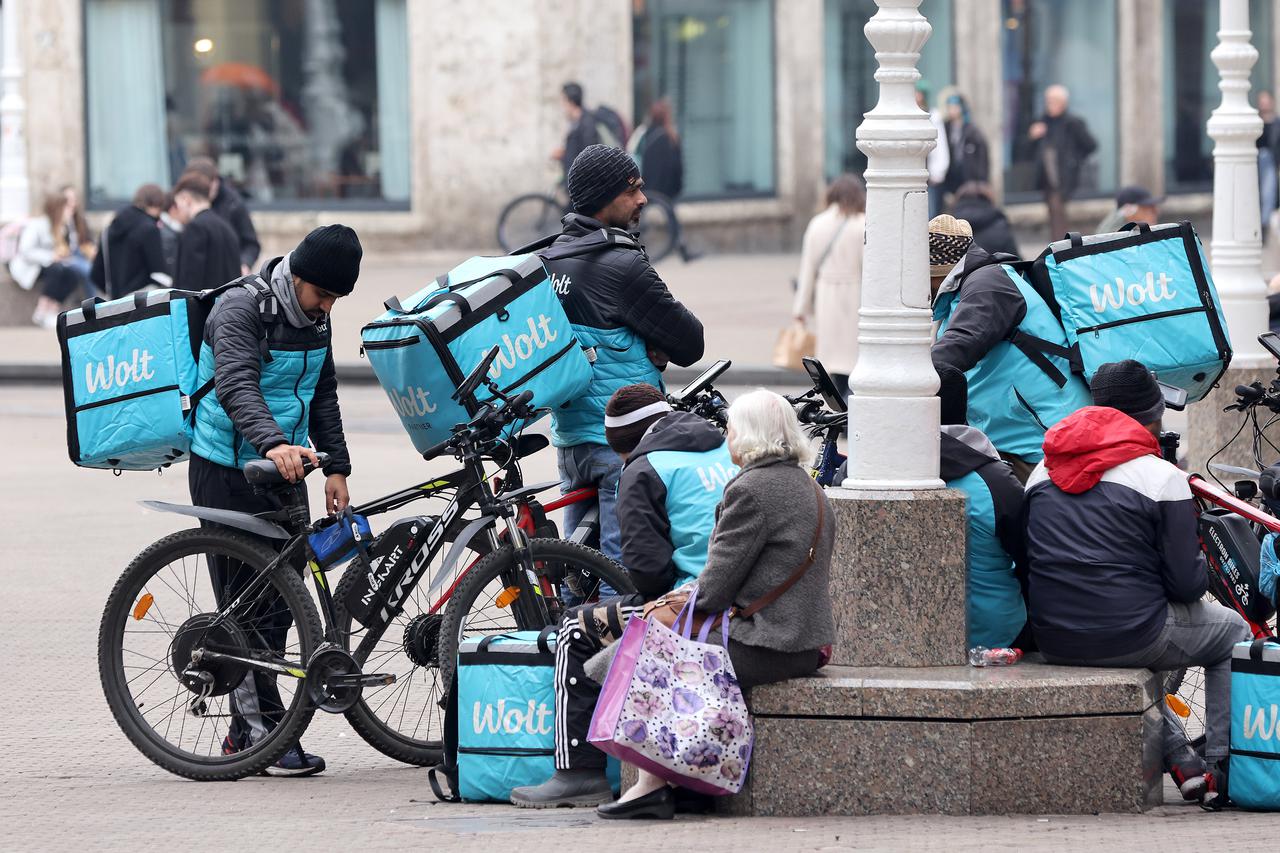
487,424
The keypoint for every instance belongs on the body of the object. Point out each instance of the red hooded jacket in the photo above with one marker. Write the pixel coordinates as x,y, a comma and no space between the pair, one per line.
1083,446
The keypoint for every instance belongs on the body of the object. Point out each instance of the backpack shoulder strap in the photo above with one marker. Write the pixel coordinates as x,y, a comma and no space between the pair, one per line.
603,238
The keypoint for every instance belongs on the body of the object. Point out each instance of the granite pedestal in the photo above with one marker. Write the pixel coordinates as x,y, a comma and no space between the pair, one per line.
1209,427
1028,739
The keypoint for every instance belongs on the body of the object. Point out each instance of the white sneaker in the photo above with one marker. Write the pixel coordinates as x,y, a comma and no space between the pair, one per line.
43,319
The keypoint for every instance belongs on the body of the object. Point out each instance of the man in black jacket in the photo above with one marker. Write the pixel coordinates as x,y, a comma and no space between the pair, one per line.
208,251
677,466
268,354
228,204
1117,575
1062,145
582,127
129,256
622,314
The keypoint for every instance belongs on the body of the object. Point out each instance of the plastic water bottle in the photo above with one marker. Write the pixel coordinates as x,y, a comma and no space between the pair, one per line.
983,656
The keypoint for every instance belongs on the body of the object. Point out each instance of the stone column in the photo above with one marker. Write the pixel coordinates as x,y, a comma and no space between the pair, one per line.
1141,56
898,584
893,413
15,200
1236,249
979,43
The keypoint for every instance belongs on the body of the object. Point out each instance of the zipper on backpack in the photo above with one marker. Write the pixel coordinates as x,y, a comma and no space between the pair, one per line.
1113,323
396,344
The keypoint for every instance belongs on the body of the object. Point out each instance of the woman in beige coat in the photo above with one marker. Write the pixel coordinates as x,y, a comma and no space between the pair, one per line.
830,284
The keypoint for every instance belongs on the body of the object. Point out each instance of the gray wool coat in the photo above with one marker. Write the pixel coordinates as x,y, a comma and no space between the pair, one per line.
765,525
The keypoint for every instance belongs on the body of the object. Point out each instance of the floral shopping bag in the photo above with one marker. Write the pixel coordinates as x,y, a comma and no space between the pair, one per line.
672,705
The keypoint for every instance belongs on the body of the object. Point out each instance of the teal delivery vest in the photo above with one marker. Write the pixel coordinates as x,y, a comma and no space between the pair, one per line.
421,350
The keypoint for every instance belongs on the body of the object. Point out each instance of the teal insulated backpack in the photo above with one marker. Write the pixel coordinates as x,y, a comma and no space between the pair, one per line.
1143,293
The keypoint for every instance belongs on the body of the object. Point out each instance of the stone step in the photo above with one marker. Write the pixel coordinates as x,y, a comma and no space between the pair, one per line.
1028,739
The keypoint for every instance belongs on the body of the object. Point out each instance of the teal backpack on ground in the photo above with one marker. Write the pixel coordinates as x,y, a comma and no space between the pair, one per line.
129,376
1254,769
1144,294
500,718
422,350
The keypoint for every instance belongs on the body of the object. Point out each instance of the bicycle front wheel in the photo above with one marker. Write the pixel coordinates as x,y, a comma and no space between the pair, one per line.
167,607
528,218
487,600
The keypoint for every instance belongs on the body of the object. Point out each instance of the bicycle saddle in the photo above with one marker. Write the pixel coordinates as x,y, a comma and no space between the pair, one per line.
263,472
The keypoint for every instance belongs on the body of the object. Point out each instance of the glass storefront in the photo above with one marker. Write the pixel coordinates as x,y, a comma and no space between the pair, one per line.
299,102
714,60
1072,43
849,69
1190,34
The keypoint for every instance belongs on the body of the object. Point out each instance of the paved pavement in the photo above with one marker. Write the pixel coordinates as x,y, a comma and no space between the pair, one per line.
743,301
70,781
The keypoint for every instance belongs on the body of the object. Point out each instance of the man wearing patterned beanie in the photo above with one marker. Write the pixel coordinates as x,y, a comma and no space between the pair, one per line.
995,328
622,314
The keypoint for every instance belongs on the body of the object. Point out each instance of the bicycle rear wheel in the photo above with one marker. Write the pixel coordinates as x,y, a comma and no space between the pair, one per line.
659,228
163,608
528,218
486,602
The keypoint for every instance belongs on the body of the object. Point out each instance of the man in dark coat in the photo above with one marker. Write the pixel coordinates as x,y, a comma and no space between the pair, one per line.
208,251
582,127
975,203
269,389
1063,143
130,257
227,203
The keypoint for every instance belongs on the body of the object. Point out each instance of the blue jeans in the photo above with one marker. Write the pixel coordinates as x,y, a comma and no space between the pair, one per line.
1197,634
593,466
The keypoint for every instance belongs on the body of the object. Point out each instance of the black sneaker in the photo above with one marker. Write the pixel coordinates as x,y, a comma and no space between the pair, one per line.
295,762
1215,794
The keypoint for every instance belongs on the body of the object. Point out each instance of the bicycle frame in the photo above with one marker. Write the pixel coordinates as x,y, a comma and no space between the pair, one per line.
1208,494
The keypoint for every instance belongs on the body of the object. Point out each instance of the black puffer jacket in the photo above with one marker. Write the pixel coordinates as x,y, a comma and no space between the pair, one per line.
991,229
238,335
129,257
617,287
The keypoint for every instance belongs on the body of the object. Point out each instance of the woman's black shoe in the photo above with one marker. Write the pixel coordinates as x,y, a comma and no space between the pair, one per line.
655,805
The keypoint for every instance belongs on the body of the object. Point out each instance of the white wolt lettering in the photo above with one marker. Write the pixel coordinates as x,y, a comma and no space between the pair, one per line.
512,351
1149,288
1259,726
490,722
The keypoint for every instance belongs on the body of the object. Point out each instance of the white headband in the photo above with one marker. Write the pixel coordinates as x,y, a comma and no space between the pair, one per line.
614,421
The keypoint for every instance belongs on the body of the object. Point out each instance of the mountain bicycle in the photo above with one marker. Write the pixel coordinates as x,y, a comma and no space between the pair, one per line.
1232,522
531,217
174,652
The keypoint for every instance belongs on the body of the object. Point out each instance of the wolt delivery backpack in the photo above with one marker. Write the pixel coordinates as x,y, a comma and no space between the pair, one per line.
1144,294
129,374
499,730
423,348
1254,777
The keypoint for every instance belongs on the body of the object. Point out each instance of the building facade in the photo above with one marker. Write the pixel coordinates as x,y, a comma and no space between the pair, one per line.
417,120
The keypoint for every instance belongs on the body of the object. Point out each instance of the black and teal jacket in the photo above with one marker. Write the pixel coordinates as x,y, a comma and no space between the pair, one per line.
667,500
619,308
996,546
273,384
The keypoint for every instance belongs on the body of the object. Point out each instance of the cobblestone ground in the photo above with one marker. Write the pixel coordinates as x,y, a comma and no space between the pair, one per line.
69,779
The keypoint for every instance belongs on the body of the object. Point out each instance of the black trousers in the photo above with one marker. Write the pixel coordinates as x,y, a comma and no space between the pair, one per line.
58,281
255,702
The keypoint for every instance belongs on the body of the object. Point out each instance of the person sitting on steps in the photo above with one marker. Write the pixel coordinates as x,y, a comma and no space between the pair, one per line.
676,468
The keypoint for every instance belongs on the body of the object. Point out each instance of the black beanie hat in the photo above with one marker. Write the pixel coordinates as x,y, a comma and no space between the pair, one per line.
328,257
630,412
953,390
598,175
1128,386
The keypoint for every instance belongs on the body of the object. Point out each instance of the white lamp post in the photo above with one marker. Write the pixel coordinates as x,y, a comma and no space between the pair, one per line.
15,198
893,413
1234,126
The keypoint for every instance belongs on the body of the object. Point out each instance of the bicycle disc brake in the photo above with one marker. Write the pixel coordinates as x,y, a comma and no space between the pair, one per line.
216,633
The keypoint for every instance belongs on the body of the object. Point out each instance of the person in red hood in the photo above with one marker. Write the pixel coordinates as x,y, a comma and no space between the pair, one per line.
1116,573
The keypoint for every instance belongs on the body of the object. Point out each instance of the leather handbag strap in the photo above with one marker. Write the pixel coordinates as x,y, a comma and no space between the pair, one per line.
776,593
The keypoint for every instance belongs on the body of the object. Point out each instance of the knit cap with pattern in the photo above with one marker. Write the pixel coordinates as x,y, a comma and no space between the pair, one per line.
598,175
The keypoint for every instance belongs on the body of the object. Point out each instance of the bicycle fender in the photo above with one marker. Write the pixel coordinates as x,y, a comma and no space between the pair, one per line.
230,518
455,551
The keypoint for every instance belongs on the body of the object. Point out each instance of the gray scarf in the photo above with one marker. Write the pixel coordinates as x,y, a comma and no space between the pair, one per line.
282,287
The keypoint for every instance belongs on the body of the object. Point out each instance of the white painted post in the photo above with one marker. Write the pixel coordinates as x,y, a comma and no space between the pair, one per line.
893,413
1236,248
15,198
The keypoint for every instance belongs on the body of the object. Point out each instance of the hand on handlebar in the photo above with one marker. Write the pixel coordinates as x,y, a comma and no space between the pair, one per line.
290,459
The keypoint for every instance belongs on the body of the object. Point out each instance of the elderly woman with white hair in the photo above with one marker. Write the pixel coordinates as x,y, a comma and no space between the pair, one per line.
772,542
